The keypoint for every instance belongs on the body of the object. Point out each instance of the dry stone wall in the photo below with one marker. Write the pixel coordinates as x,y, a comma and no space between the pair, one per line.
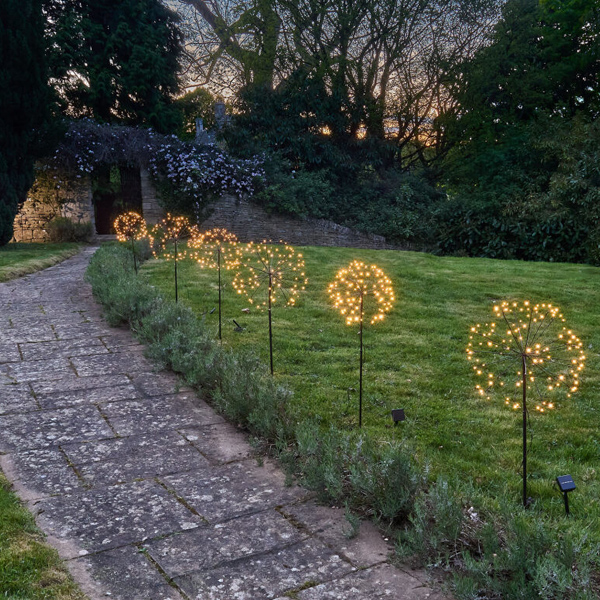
49,199
251,222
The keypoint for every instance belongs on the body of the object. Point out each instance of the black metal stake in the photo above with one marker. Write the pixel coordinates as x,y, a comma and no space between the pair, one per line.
219,270
176,291
270,324
524,365
133,252
566,497
360,384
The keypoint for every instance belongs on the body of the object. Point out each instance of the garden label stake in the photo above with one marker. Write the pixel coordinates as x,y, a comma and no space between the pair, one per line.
357,289
276,265
213,249
548,356
131,226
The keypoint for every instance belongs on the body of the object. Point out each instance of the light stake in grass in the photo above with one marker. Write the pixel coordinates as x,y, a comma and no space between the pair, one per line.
172,231
361,292
131,227
213,249
278,268
527,348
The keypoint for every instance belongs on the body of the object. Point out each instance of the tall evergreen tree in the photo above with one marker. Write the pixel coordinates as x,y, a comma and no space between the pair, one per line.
117,60
24,103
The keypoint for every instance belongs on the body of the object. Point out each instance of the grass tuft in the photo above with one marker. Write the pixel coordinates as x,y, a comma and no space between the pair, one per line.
28,568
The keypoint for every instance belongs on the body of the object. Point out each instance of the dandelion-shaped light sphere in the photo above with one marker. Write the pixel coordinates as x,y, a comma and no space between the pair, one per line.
275,268
527,350
170,233
362,292
130,227
213,249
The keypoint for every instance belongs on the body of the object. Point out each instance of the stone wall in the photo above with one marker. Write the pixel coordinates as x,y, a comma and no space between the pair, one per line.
251,222
151,209
49,199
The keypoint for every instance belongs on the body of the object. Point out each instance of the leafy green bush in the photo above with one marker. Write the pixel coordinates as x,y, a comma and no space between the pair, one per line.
302,193
403,207
63,229
126,299
385,479
436,524
486,233
513,556
521,559
379,480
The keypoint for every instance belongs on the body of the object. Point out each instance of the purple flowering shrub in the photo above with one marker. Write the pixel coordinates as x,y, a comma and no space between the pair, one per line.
187,175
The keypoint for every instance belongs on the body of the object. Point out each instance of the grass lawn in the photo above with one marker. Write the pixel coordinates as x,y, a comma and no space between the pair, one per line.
416,360
28,568
17,260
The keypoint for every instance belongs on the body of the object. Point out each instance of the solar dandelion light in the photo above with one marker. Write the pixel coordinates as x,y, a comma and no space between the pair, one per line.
526,350
277,269
170,233
361,292
213,249
131,227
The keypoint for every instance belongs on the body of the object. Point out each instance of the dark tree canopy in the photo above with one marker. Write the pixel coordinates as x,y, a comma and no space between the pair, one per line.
25,103
116,61
528,101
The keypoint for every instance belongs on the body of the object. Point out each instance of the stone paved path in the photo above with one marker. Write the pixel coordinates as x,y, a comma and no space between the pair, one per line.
146,492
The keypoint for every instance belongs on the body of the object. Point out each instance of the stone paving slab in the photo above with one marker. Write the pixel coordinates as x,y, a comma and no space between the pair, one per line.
208,547
157,384
377,583
17,398
114,363
137,457
120,342
51,428
43,333
65,349
46,370
13,320
111,517
267,575
9,353
73,383
68,331
44,472
141,486
234,490
124,574
221,443
331,526
158,414
65,399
